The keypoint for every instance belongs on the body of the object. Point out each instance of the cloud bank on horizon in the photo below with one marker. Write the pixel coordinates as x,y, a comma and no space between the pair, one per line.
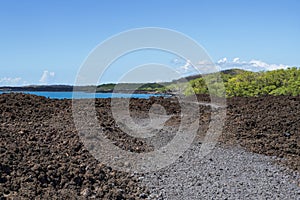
186,67
183,67
46,78
252,65
10,81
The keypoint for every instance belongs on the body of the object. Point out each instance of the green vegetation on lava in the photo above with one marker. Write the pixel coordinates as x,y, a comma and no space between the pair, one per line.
236,82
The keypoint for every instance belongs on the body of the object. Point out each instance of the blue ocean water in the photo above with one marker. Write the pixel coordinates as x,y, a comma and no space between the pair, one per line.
85,95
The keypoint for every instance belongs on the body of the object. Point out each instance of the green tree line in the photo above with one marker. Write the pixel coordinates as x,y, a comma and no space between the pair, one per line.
244,83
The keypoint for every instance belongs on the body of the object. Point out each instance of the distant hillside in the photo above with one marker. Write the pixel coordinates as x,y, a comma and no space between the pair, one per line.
237,82
233,71
129,87
162,87
49,88
156,87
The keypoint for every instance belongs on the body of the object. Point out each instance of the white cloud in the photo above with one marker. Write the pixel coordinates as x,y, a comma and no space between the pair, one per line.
204,66
266,66
222,61
47,77
187,65
258,63
10,81
236,60
185,68
253,65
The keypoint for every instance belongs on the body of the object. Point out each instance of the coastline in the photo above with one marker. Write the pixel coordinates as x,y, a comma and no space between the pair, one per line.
87,89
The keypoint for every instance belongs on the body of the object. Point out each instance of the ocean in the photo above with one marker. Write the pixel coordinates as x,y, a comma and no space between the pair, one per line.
85,95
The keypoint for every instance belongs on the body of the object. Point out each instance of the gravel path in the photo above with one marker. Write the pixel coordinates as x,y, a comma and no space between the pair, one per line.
226,173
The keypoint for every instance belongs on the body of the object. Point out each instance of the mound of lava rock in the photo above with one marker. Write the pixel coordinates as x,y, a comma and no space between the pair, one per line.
42,157
268,125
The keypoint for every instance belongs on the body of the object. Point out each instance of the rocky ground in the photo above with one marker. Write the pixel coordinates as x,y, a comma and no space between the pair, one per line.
266,125
225,173
42,157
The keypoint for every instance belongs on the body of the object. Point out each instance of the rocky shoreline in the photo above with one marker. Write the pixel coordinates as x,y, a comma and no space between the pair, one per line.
69,88
42,157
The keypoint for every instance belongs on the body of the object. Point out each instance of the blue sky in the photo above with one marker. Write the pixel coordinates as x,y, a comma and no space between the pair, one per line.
45,42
